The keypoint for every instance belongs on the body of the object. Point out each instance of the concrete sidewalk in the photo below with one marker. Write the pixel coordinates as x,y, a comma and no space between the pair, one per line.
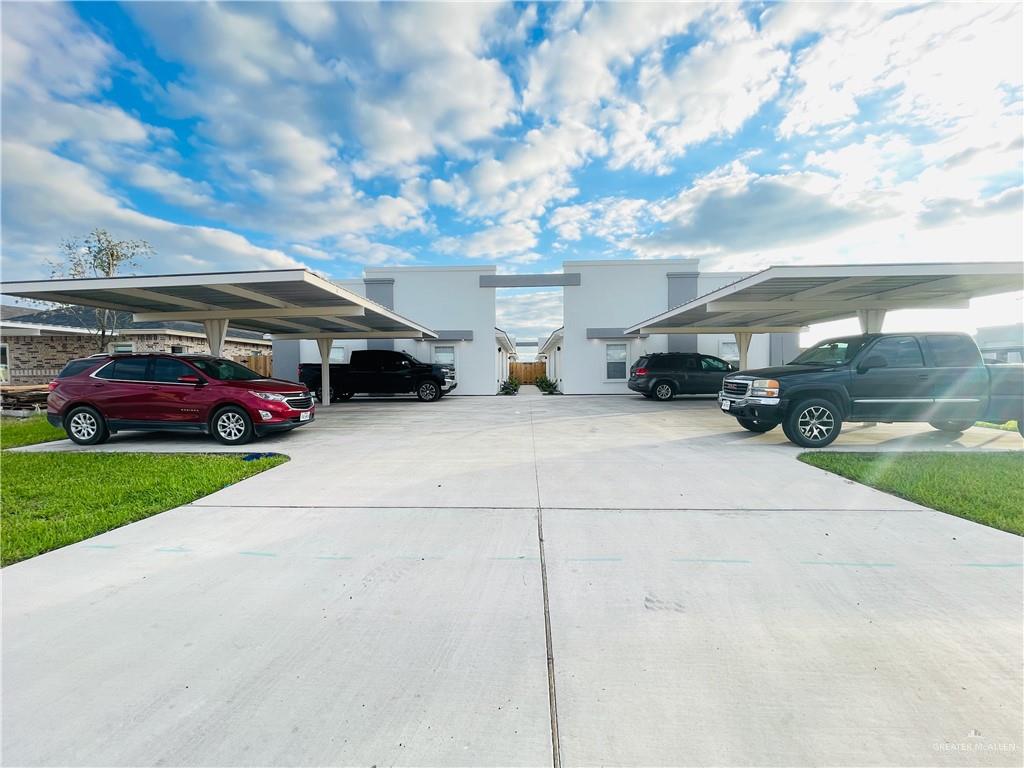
380,599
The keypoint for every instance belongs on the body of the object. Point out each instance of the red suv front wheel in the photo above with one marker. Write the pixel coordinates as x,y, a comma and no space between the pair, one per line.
231,425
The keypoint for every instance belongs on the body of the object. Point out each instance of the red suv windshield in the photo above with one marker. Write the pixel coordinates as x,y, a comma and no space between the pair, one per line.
224,370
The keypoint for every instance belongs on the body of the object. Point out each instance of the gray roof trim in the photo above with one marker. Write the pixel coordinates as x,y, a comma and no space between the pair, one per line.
554,279
613,333
454,335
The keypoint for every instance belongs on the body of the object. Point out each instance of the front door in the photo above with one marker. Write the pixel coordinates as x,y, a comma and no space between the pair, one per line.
712,371
898,391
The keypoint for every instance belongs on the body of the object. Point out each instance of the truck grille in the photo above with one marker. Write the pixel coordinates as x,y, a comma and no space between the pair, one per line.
735,387
300,403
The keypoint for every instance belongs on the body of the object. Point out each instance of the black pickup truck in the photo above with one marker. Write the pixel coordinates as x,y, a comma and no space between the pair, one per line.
381,371
939,378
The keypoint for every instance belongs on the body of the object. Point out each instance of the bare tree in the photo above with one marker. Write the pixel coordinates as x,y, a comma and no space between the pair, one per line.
97,255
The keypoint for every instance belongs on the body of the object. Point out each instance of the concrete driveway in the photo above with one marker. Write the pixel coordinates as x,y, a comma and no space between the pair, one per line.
384,598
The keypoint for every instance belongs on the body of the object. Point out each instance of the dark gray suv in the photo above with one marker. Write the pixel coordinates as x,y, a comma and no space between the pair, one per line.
663,375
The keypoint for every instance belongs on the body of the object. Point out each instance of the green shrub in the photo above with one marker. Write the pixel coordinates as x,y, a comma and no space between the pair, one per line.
510,386
546,385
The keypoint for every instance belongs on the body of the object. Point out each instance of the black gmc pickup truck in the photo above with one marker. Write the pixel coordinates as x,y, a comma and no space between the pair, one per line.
939,378
381,371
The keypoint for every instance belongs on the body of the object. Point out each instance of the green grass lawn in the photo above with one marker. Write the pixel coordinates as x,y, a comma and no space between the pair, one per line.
987,488
34,429
50,500
1010,426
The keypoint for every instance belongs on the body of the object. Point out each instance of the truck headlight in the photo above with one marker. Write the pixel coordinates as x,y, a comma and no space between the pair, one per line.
764,388
269,396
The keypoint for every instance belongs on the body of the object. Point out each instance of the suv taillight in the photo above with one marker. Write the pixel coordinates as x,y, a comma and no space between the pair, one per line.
52,385
641,371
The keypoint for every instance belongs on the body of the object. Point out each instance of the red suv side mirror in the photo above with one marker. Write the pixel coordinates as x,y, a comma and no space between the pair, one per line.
191,379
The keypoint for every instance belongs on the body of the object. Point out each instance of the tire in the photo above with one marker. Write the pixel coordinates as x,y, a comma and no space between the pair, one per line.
813,423
428,391
343,396
663,391
318,394
753,425
231,426
85,426
952,426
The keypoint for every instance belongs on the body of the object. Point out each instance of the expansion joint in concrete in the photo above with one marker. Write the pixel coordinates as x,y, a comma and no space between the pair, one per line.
556,752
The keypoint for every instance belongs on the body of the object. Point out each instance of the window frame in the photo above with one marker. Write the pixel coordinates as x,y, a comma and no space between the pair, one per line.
452,347
115,344
979,358
624,362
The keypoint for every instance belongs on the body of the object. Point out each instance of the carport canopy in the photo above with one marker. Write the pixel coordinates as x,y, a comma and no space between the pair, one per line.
788,299
284,303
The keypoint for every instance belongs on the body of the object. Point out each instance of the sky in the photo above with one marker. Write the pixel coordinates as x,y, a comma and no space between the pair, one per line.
338,136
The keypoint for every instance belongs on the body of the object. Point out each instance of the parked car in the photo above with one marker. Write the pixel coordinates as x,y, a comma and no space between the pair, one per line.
938,378
381,371
663,375
94,397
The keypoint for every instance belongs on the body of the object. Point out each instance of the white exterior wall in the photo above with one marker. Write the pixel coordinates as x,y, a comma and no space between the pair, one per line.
450,298
616,294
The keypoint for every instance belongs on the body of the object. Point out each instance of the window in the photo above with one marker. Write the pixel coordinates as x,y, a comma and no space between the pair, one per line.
177,349
395,361
954,351
729,350
444,355
125,369
122,347
615,361
165,369
899,352
74,367
5,371
831,352
688,363
337,352
713,364
225,370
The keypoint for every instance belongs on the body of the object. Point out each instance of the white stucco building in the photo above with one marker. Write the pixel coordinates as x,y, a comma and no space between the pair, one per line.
588,355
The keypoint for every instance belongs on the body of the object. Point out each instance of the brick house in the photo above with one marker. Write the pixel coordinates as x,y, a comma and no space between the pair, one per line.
35,346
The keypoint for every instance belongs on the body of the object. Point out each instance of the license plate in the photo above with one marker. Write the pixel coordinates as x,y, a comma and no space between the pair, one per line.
305,416
725,405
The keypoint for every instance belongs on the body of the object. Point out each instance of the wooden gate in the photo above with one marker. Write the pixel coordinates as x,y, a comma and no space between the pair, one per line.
527,373
262,364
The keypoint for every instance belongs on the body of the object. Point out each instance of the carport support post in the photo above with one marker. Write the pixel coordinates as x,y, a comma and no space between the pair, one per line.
216,332
871,320
325,370
743,344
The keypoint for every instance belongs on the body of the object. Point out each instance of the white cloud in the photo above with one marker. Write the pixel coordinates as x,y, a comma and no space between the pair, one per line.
48,198
499,241
529,315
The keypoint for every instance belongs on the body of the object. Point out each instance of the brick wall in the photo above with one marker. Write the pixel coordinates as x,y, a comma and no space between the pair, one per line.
37,359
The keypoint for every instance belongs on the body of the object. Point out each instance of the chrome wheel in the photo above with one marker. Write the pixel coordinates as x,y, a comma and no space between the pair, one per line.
84,425
663,391
230,426
428,391
816,423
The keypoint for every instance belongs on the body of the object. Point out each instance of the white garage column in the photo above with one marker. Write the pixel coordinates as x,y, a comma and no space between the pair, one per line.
743,345
325,370
216,333
871,320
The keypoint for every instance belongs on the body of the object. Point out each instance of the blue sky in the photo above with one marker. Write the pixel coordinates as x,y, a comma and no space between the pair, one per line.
337,136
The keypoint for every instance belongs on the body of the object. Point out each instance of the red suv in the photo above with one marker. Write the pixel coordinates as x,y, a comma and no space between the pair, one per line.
96,396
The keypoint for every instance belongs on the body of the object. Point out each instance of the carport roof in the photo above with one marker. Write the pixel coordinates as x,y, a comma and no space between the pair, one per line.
789,298
287,303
